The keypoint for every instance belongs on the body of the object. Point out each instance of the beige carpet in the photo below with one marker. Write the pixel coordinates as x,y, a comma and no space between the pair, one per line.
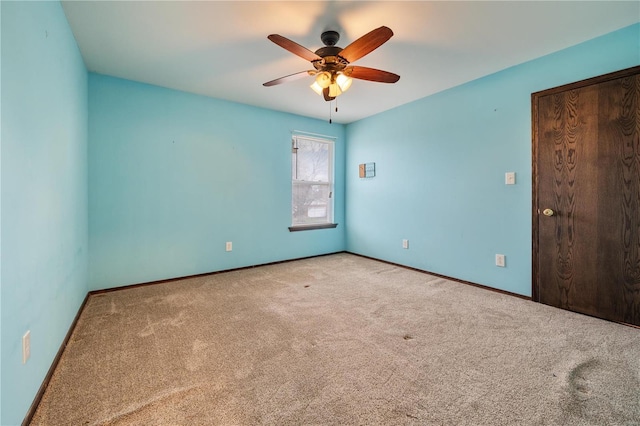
339,339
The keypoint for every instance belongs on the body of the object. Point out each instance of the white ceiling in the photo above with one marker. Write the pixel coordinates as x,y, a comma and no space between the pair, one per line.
220,48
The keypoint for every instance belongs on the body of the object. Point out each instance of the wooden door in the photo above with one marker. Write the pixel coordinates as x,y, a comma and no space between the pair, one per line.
586,178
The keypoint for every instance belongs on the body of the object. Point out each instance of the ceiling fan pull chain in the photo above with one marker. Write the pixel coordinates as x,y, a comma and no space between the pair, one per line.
330,112
336,104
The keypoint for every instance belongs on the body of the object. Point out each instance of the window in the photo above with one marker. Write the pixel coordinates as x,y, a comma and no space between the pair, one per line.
312,183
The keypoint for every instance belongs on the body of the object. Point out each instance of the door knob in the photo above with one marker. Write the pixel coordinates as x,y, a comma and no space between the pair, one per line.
548,212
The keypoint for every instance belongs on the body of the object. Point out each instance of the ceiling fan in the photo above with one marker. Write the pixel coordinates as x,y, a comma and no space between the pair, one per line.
333,69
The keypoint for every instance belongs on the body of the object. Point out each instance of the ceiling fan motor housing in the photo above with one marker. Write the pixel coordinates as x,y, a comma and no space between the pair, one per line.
330,61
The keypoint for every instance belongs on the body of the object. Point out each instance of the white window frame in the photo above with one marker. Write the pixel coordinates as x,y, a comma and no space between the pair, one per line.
326,222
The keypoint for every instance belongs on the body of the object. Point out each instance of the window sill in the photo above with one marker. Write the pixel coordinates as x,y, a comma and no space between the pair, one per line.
311,227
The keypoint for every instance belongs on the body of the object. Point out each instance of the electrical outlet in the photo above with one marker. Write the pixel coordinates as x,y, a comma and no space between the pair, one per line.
405,244
510,178
229,246
26,346
500,260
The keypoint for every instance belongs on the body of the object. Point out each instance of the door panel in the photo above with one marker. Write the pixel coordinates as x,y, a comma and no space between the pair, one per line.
587,170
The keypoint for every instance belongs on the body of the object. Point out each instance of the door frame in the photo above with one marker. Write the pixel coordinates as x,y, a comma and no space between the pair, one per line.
535,284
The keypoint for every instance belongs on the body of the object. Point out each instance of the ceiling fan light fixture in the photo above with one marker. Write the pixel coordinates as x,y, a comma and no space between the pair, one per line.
316,88
333,81
323,79
334,90
344,82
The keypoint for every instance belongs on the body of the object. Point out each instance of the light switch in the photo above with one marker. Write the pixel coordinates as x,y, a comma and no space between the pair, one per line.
510,178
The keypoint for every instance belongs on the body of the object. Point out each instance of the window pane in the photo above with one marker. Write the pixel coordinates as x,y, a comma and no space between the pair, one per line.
312,161
312,181
311,204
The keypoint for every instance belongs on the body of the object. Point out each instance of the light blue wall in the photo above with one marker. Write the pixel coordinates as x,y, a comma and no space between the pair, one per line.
173,176
440,165
44,193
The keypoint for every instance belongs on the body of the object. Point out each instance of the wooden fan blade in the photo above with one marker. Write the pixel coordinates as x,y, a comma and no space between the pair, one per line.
325,93
287,78
366,44
294,47
372,74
